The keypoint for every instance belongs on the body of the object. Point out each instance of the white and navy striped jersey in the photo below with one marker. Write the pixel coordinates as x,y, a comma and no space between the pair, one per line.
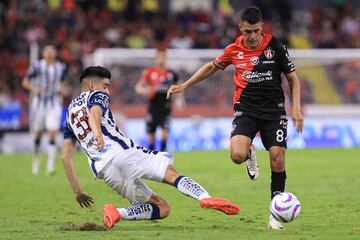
48,78
77,127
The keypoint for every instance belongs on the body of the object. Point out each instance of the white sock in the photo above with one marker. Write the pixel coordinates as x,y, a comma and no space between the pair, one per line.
51,152
191,188
35,164
36,160
140,212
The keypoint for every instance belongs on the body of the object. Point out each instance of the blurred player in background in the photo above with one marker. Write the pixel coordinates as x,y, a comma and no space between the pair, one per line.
119,161
259,60
44,80
154,83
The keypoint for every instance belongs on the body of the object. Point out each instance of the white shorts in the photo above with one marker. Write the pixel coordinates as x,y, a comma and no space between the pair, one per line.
45,117
123,175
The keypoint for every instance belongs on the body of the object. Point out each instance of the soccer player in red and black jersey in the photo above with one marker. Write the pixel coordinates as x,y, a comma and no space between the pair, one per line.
154,83
259,60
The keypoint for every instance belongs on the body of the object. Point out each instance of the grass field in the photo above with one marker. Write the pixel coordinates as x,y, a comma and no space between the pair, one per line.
327,183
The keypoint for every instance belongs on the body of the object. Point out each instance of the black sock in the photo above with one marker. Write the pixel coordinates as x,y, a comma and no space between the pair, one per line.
277,182
163,145
249,154
151,146
37,146
155,213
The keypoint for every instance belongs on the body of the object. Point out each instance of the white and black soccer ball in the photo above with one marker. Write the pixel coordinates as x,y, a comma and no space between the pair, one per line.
285,207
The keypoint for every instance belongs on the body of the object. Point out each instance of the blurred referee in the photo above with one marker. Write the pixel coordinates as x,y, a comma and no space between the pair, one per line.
44,80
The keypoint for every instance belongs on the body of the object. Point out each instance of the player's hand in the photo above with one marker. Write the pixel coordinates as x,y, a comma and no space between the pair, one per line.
36,90
175,89
100,141
84,200
151,91
298,120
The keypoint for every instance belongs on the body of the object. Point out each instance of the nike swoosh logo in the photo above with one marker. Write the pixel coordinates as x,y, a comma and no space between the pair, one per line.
251,176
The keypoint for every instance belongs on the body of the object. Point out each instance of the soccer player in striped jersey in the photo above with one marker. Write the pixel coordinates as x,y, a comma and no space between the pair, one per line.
44,80
120,162
259,60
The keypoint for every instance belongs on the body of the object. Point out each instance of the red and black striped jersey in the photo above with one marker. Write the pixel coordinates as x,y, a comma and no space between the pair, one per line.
257,79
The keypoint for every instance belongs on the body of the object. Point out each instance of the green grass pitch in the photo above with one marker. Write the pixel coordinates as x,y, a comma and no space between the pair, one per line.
327,183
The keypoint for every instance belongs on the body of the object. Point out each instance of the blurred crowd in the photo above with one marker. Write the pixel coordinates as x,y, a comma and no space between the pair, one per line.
337,26
77,27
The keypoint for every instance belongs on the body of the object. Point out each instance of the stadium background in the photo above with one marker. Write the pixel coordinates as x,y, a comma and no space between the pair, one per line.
84,31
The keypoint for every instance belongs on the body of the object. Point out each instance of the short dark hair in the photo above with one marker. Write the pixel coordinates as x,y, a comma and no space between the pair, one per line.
251,15
95,71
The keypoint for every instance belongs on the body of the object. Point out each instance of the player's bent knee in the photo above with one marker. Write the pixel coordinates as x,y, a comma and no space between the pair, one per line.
238,157
278,160
278,166
164,207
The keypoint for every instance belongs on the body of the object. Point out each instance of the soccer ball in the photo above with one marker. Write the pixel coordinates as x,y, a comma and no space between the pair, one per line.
285,207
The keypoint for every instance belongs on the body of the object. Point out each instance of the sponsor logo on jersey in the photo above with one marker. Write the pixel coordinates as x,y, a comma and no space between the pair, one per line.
269,53
91,142
254,60
240,65
106,103
233,127
268,62
283,123
103,100
238,113
249,75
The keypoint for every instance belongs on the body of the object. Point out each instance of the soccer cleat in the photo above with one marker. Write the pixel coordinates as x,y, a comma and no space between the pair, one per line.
274,224
111,215
220,204
252,167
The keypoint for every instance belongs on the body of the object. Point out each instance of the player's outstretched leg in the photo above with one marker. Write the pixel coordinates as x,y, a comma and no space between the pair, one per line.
111,215
278,179
220,204
36,158
192,189
51,154
155,208
252,167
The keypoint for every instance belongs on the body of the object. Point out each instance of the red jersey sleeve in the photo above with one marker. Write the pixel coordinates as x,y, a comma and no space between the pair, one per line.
144,75
224,60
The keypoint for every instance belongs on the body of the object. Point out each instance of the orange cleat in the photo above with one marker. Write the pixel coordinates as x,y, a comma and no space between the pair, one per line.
111,215
220,204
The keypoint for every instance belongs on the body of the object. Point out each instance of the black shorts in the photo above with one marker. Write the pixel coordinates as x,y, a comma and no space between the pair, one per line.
154,120
272,132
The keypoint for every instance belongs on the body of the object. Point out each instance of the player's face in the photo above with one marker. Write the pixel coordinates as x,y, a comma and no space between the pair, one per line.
49,53
161,58
252,33
101,85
